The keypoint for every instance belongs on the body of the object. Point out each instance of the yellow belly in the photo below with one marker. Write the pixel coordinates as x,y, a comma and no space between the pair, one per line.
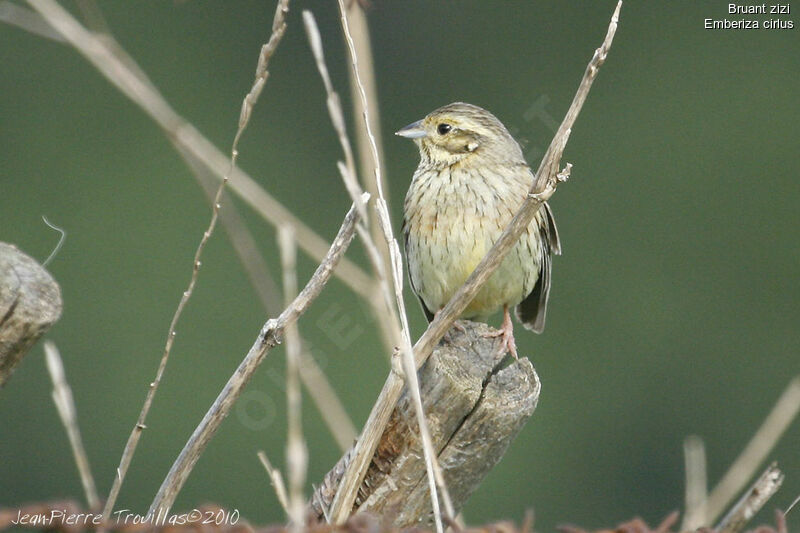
450,225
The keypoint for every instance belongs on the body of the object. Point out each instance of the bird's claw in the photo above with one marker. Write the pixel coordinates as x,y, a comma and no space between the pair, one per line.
507,342
455,325
506,334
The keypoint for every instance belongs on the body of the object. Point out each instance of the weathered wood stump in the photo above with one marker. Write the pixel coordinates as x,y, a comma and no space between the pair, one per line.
30,302
474,406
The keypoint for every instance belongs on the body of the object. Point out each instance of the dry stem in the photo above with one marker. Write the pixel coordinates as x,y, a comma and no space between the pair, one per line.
278,29
296,449
242,240
752,501
61,239
120,69
269,337
62,397
696,483
334,107
390,333
743,468
207,162
365,80
277,482
547,178
342,504
390,322
314,380
791,506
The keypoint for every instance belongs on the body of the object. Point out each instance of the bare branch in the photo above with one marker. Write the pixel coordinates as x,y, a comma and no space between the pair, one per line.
319,388
390,332
363,79
48,8
544,185
345,496
752,501
119,68
242,239
547,178
391,322
744,467
62,397
270,336
334,107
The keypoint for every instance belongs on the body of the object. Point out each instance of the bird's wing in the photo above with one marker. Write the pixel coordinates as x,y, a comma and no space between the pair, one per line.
428,313
532,310
552,230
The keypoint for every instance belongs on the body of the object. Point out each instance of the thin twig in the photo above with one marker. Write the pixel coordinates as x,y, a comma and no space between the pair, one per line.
278,29
314,380
62,397
752,501
372,143
334,107
242,239
61,240
120,69
390,332
363,79
547,178
277,481
387,318
694,453
270,336
791,506
744,467
296,448
342,503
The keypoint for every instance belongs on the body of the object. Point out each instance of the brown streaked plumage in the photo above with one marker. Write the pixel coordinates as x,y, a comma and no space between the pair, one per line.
471,179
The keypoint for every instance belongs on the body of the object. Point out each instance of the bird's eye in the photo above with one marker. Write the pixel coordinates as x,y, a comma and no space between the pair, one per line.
443,128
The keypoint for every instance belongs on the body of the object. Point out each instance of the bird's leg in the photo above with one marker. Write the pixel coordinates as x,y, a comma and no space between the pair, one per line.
506,332
455,325
459,327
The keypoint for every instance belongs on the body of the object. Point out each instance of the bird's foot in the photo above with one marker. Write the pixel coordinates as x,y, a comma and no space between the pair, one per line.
506,333
455,325
459,327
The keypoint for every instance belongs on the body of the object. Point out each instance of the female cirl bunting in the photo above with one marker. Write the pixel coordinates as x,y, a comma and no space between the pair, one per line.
471,180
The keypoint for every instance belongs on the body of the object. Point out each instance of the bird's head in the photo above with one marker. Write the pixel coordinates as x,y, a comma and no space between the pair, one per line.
458,132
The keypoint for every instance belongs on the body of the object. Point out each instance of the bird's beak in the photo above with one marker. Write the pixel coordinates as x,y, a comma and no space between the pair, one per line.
412,131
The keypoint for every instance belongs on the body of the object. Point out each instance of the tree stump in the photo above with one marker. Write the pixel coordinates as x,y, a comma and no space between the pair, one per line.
474,406
30,302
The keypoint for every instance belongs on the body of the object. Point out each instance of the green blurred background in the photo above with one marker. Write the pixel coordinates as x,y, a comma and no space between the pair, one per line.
674,308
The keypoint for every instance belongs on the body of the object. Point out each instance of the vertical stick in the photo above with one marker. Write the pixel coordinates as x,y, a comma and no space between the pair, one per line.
62,397
743,468
296,449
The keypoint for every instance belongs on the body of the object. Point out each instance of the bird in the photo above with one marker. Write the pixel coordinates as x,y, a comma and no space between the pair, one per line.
471,180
